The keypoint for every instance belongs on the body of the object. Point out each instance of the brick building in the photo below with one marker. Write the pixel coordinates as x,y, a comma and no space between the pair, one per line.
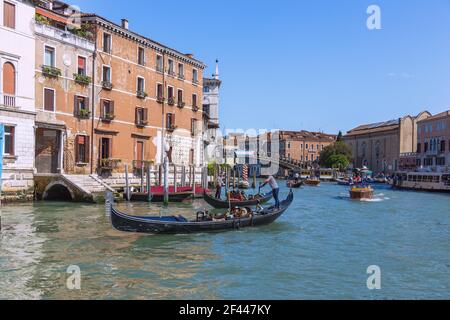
115,95
304,146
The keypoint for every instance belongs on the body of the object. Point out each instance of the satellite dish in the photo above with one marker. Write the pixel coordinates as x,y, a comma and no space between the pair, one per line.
67,60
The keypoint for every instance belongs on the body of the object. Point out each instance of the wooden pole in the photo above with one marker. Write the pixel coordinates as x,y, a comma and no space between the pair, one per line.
254,178
149,184
174,178
234,178
142,176
166,180
127,183
193,181
160,175
183,176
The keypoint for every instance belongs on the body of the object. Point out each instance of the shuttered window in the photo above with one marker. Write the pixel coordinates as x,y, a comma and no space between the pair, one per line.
82,66
9,15
49,99
9,141
82,149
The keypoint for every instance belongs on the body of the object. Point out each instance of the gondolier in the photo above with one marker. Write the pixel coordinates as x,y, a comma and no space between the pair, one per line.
219,183
275,189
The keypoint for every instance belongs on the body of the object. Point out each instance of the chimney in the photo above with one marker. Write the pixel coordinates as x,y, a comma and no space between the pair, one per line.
190,55
125,24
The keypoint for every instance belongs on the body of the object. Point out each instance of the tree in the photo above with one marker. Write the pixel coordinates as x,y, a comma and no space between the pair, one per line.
335,155
339,137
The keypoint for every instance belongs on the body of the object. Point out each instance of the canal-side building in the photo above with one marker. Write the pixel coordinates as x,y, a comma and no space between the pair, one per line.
17,106
304,146
143,91
64,58
379,146
211,132
433,142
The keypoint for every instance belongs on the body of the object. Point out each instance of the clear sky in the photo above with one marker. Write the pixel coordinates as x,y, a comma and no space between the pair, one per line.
310,65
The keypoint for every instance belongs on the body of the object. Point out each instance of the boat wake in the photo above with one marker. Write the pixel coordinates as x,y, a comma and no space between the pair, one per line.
376,198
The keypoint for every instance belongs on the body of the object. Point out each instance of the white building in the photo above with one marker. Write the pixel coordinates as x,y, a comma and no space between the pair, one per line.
17,106
212,137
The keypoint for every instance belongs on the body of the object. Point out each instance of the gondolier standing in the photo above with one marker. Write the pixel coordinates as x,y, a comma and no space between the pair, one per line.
275,189
219,183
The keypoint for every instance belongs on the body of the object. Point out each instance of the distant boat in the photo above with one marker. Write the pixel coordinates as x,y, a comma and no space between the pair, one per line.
359,192
294,184
344,182
312,182
423,181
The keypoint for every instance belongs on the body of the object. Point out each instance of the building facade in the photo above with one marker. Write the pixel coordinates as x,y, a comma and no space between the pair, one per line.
379,146
17,105
106,96
64,66
433,142
210,106
304,146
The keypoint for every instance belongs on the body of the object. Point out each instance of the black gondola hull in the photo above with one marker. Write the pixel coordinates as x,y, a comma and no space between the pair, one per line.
127,223
158,197
224,204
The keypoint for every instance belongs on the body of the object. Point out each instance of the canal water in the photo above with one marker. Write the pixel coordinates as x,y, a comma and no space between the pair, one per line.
319,249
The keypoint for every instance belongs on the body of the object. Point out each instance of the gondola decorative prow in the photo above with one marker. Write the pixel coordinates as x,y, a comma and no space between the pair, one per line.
109,201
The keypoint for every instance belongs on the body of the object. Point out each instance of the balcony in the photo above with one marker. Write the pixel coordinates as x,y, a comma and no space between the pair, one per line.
64,36
171,101
195,108
108,117
83,114
172,128
107,85
160,99
9,101
141,94
82,79
50,71
181,104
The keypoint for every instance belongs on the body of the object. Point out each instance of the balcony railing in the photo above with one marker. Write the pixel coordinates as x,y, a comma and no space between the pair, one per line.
171,73
82,79
64,36
141,94
172,128
195,108
51,71
160,99
108,117
83,114
109,164
181,104
181,76
9,100
171,101
107,85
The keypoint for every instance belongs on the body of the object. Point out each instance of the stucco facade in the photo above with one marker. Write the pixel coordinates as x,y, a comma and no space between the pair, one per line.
378,146
17,106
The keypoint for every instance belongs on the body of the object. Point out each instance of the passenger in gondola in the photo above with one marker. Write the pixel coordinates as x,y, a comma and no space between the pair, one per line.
219,183
296,177
275,189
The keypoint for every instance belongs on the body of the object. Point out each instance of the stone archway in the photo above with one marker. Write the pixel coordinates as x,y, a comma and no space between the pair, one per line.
58,191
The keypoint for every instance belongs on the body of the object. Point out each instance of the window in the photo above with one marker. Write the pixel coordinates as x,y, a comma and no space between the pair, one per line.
170,94
440,161
317,147
141,56
159,63
9,84
81,106
106,109
82,149
442,149
301,147
82,66
140,84
193,126
425,147
105,148
8,148
306,158
181,70
49,99
205,89
141,116
106,42
171,70
9,15
194,76
170,120
159,91
106,74
49,58
194,100
180,96
306,147
419,147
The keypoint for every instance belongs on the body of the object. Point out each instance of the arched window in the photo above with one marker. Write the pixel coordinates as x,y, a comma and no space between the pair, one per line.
9,79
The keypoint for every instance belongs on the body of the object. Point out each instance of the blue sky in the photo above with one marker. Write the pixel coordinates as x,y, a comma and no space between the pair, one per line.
309,65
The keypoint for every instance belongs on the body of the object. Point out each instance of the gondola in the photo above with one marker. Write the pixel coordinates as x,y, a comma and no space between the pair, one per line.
218,203
179,224
294,184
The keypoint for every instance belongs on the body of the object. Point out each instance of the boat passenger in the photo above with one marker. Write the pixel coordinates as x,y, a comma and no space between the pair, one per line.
219,183
275,189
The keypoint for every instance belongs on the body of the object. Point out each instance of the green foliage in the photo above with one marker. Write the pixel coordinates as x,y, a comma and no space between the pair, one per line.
337,155
339,137
41,19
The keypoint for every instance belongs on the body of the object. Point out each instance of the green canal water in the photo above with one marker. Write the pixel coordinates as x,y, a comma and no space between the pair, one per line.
320,249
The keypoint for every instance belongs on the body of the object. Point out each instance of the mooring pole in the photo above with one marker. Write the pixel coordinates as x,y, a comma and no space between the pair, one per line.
254,178
193,181
149,184
234,178
175,178
142,176
166,181
127,184
183,176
